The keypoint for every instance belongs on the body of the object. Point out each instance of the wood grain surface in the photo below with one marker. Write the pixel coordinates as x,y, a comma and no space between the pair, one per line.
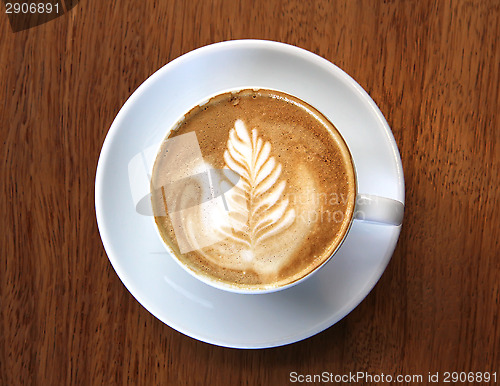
431,66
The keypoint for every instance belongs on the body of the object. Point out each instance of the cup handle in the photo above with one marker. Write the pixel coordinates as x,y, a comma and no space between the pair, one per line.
378,209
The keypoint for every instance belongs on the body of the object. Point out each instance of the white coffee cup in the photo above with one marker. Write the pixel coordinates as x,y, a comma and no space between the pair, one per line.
369,208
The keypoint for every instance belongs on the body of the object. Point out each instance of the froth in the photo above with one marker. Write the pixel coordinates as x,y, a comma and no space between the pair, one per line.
260,232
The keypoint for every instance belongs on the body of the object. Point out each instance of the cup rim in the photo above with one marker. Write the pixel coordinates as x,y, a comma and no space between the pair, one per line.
219,284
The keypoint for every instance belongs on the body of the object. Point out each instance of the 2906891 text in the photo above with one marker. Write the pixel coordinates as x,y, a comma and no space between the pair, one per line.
32,8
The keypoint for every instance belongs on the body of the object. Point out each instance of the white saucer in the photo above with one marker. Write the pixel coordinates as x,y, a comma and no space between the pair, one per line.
157,281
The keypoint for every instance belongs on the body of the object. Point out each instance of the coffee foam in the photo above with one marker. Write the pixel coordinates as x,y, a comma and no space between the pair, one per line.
260,233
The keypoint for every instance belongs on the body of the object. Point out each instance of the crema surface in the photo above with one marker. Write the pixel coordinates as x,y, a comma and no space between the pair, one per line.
286,211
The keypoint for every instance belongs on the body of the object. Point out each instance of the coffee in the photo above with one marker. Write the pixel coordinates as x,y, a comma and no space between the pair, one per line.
288,208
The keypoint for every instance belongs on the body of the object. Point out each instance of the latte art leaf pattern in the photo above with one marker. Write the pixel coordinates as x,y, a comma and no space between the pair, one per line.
258,208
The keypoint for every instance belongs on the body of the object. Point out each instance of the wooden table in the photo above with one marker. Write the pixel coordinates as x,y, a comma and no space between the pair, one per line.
433,69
